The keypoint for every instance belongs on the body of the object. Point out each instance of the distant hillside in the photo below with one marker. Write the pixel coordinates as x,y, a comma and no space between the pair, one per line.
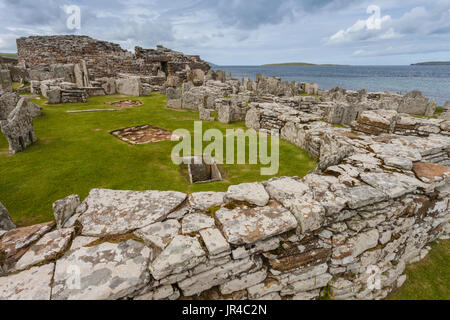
212,65
298,64
432,63
9,55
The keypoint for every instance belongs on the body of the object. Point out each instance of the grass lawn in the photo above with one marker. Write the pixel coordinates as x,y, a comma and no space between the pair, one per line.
428,279
76,152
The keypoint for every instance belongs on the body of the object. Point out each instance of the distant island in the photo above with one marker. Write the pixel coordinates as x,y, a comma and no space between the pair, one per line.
432,63
302,64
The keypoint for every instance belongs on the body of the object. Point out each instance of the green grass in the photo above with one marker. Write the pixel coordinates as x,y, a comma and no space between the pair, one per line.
15,85
309,95
439,111
76,152
9,55
428,279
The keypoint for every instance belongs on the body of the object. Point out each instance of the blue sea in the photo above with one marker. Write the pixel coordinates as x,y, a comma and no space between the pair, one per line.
433,81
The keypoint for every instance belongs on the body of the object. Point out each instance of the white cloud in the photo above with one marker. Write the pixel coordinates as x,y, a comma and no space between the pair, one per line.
363,30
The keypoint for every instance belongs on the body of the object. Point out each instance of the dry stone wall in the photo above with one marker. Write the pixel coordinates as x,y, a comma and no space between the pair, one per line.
16,121
103,59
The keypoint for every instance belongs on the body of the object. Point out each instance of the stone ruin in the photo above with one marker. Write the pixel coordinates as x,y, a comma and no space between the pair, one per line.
379,196
376,200
16,121
63,66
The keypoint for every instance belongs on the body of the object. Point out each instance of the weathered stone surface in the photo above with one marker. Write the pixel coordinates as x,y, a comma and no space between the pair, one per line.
54,96
195,222
243,282
262,289
18,128
129,86
5,219
309,213
394,185
182,254
205,200
356,246
5,80
104,272
119,212
159,234
430,172
285,188
64,209
82,241
8,101
245,225
214,241
303,274
253,193
363,196
307,285
160,293
14,242
301,261
217,276
33,284
46,249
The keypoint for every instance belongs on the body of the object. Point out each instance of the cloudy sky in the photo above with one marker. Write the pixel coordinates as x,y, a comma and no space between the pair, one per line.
250,32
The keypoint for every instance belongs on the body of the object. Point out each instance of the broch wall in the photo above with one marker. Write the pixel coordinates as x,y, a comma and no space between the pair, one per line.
104,59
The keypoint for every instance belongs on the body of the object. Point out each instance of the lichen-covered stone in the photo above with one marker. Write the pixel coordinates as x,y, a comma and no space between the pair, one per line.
205,200
243,282
32,284
195,222
363,196
64,209
309,213
5,219
431,173
393,185
214,241
182,254
14,243
217,276
103,272
47,248
119,212
245,225
253,193
159,234
285,188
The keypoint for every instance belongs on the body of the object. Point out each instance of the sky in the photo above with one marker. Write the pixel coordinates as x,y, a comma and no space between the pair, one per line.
249,32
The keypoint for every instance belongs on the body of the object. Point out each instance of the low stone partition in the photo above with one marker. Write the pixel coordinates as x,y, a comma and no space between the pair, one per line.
389,121
354,101
16,121
5,80
345,231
